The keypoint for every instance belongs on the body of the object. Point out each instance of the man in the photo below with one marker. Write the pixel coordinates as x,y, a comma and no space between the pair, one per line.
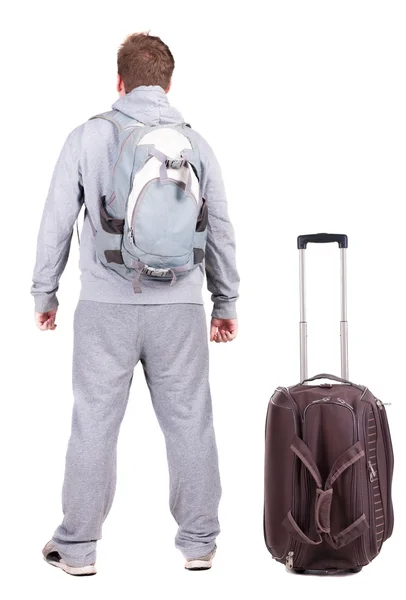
163,327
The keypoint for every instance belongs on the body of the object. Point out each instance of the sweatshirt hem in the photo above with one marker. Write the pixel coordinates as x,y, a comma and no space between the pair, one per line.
97,292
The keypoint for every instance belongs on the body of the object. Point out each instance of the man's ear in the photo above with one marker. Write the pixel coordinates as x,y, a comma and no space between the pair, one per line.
120,85
169,87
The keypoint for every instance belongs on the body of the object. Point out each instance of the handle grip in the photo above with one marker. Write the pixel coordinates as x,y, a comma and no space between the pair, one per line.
322,238
332,378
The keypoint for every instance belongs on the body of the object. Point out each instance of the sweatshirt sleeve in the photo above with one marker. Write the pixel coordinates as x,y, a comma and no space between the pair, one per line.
221,270
62,207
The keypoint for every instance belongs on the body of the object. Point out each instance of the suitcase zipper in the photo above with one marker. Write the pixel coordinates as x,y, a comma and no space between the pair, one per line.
372,472
307,501
292,543
295,407
389,466
337,401
371,477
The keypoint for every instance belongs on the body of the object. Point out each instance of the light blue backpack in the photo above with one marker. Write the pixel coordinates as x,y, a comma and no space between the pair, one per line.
153,221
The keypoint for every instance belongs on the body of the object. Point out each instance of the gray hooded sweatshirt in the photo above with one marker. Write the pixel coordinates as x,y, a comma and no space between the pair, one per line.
81,176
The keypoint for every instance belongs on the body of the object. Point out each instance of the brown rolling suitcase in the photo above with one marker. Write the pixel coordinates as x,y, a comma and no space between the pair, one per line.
328,461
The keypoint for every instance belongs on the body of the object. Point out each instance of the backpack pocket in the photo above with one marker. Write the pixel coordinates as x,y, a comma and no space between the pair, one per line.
109,223
109,238
203,218
200,236
163,223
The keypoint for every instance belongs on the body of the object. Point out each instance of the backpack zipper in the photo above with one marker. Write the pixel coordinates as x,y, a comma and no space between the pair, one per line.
137,203
121,151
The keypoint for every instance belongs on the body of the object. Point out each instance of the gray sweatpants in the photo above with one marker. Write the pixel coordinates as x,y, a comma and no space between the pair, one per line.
170,340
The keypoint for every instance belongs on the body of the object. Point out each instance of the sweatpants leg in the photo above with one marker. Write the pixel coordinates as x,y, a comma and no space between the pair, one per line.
176,364
107,341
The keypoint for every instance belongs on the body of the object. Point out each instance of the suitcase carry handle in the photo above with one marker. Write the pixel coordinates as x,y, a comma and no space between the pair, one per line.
322,238
327,376
332,377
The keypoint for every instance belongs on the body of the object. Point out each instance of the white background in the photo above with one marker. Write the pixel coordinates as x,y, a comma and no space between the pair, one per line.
304,104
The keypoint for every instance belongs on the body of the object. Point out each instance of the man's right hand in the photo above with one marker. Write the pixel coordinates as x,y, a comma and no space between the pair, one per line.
46,321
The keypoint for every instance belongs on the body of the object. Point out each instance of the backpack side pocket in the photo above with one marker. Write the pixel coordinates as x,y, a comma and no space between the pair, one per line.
109,239
109,223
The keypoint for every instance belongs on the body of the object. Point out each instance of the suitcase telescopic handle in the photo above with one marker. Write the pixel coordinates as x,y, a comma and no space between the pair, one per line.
323,238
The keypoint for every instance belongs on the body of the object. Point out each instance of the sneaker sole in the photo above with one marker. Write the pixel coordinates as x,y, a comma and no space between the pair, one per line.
75,571
198,565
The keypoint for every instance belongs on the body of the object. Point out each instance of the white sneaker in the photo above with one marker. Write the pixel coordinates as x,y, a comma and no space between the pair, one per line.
52,556
201,564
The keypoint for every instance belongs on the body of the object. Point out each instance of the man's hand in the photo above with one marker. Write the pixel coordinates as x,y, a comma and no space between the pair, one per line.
223,330
46,321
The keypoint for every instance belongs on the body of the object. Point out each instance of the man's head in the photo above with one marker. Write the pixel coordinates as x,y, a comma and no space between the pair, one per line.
143,59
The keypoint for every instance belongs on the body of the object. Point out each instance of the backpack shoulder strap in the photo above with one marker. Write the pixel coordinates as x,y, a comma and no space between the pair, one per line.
119,119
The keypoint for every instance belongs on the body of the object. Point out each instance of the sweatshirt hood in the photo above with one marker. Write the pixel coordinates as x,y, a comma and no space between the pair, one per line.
149,105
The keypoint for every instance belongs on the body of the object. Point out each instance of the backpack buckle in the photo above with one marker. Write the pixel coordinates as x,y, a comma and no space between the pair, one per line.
175,163
152,272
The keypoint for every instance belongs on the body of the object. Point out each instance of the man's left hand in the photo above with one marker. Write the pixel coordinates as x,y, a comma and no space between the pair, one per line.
223,330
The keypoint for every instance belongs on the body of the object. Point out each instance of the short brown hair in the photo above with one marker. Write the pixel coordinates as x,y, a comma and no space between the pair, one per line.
144,59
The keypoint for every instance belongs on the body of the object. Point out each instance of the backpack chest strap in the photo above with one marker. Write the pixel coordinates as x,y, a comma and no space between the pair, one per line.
171,163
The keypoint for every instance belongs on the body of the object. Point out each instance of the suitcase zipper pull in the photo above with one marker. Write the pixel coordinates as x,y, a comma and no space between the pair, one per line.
372,472
289,561
341,401
381,405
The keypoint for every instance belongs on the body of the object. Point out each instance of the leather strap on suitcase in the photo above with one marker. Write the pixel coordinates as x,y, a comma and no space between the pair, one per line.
324,498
